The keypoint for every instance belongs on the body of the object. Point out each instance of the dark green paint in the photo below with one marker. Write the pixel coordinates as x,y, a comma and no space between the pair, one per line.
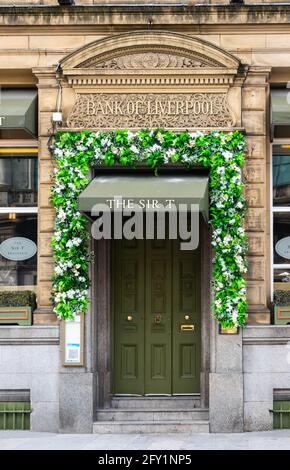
156,284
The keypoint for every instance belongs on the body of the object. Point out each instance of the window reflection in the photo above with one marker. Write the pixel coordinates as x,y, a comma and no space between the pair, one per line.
23,271
281,238
18,182
281,175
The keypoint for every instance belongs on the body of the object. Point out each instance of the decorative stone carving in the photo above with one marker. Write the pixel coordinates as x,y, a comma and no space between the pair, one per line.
254,172
256,268
256,243
150,60
254,195
255,220
256,147
136,110
255,293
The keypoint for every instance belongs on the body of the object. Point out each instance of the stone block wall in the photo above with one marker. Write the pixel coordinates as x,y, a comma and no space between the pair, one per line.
29,359
255,102
266,363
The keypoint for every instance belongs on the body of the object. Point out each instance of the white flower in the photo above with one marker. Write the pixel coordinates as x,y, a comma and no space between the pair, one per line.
105,142
227,155
170,153
58,152
156,148
221,170
61,215
160,137
58,270
72,186
134,149
114,150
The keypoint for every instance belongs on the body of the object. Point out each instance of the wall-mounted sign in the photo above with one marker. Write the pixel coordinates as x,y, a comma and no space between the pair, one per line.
72,341
18,248
282,247
137,110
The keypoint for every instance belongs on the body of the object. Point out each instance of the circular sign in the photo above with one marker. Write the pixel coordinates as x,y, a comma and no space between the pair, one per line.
18,248
282,247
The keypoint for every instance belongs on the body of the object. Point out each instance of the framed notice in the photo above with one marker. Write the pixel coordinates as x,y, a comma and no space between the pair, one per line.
72,341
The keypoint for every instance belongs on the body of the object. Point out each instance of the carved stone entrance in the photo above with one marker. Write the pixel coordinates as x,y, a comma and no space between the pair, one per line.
156,79
152,79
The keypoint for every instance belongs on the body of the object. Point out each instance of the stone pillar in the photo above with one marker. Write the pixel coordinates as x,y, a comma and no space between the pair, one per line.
254,119
226,381
47,95
77,385
226,393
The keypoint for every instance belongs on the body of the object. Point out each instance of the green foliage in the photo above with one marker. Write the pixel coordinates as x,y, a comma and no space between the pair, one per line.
17,299
222,153
281,297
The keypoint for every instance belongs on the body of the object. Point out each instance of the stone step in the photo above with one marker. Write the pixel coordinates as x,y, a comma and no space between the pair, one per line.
151,427
157,403
152,415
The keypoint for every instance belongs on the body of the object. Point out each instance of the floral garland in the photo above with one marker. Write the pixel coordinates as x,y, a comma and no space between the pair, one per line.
222,153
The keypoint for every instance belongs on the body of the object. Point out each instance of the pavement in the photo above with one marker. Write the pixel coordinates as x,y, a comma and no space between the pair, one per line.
28,440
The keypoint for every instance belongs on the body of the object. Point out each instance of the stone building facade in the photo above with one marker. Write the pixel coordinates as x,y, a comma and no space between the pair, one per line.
80,58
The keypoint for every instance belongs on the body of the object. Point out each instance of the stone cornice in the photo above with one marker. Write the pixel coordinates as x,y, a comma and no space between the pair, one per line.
266,335
29,335
266,14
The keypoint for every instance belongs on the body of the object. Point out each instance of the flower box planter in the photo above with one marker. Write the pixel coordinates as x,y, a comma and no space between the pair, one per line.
15,315
16,307
282,314
281,307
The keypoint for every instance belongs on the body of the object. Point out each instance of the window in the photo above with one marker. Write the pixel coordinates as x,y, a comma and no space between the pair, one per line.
18,218
18,260
281,217
18,189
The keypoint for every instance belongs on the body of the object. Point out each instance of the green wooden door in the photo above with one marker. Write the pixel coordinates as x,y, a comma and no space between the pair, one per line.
186,324
156,302
129,299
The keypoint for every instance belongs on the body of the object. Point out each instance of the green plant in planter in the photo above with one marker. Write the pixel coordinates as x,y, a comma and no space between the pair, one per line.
282,307
16,307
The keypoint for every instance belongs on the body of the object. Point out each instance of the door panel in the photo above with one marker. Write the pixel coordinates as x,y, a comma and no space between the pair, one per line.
186,315
158,317
128,270
156,294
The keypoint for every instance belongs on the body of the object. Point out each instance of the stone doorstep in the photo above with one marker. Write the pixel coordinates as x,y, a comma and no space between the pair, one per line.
151,427
155,415
152,415
156,403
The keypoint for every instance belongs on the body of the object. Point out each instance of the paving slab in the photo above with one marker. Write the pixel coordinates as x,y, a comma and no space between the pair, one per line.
26,440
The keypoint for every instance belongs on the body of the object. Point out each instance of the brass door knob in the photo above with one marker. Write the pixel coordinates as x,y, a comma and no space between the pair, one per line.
157,319
129,317
186,317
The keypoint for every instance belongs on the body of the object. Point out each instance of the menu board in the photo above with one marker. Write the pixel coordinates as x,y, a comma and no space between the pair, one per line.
72,341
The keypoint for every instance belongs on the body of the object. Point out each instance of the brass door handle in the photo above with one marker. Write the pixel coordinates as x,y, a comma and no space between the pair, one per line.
187,327
129,317
157,319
